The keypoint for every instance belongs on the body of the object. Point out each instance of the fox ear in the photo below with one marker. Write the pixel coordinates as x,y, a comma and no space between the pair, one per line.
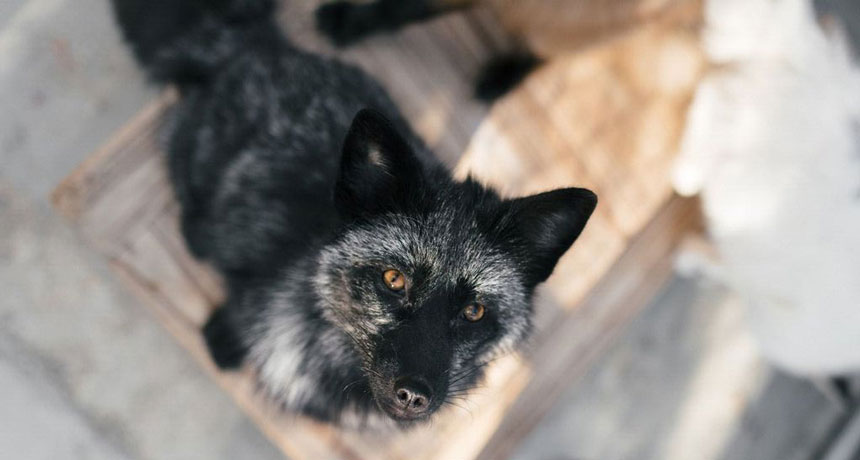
378,171
547,224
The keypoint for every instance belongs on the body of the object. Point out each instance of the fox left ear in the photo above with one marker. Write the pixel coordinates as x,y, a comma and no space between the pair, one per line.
548,224
379,170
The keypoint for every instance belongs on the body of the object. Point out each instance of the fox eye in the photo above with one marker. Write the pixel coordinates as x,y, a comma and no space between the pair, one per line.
394,280
473,312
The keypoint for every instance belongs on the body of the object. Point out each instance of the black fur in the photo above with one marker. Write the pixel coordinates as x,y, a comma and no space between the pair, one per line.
224,340
364,188
504,73
346,22
302,198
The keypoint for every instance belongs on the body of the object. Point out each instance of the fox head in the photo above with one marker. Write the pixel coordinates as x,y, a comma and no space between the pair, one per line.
433,278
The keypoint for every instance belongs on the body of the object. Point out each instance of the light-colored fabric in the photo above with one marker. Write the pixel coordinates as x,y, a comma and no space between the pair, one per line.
773,145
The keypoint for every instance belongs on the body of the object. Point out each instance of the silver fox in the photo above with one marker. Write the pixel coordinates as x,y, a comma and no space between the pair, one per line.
365,284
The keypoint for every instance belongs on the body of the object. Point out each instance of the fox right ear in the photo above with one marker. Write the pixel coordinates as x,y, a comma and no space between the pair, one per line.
548,223
378,171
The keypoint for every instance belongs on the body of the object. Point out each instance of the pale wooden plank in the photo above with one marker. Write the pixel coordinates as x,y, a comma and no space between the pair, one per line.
204,278
146,256
120,185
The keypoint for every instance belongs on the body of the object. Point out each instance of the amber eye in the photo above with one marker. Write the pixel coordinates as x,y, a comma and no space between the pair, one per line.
394,280
473,312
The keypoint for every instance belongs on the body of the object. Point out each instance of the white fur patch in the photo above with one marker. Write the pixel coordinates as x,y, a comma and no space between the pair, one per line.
772,144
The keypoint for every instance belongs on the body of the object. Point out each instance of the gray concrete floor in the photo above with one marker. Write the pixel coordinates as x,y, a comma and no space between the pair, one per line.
86,373
685,382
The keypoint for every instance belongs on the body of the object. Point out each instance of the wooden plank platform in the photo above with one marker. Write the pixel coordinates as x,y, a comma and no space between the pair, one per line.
607,118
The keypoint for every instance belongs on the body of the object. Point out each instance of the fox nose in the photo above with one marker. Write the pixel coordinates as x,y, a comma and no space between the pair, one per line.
413,395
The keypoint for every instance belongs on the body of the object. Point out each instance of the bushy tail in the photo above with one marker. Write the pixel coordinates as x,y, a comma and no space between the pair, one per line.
185,41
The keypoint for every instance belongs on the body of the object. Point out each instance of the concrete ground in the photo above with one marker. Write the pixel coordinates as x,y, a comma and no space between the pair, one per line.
86,373
685,382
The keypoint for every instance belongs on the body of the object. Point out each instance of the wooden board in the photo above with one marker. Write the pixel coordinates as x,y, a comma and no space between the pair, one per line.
606,118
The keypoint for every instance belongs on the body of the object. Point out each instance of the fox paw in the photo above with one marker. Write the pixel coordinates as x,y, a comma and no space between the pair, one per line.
223,340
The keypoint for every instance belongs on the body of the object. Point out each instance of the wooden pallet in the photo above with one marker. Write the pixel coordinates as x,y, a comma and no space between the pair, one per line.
607,118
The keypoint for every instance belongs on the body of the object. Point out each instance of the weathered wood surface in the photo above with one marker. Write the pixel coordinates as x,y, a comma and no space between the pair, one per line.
607,118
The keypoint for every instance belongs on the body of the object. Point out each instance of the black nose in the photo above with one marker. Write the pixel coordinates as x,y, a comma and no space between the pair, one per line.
413,395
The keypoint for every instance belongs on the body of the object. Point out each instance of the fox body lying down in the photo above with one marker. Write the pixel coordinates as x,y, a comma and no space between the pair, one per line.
365,284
